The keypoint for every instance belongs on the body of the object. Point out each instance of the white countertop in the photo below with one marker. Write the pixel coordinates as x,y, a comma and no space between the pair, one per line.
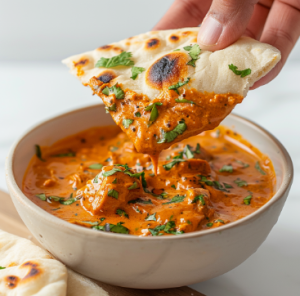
31,92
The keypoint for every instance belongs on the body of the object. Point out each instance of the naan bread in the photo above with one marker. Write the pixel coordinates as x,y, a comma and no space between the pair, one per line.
211,73
29,270
32,271
192,92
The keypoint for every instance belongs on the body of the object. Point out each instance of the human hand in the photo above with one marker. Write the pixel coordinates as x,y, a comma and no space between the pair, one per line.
276,22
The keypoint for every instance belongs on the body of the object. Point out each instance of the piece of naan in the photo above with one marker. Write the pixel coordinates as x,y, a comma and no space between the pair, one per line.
161,88
28,270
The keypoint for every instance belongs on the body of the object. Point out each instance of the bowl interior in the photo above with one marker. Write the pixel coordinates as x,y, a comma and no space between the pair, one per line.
52,130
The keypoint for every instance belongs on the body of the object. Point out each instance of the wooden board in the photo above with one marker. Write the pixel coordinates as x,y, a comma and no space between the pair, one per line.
11,222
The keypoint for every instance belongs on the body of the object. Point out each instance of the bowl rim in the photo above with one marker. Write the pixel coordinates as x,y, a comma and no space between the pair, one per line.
79,230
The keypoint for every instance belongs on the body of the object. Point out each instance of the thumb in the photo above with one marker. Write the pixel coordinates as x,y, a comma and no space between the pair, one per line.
225,22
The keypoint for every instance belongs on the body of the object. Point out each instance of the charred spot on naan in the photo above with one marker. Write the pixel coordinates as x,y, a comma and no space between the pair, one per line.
34,270
110,47
11,281
174,38
152,43
82,62
167,70
107,76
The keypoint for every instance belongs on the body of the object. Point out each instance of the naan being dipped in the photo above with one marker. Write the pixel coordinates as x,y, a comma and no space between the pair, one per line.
161,88
28,270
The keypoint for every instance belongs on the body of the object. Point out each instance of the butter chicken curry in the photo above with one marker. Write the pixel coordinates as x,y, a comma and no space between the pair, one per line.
97,179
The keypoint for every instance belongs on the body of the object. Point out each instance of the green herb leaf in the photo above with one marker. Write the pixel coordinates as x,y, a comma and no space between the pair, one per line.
169,165
119,93
175,199
127,122
226,168
257,166
41,196
68,201
1,267
198,151
68,154
141,201
240,182
247,200
241,73
178,49
122,213
200,198
188,48
99,227
219,221
179,84
154,111
119,228
96,166
38,153
94,223
115,181
207,182
188,152
151,217
135,71
133,186
102,219
55,198
112,108
113,193
227,185
111,172
172,135
157,229
173,186
184,101
137,114
123,59
194,52
209,224
105,91
96,179
245,165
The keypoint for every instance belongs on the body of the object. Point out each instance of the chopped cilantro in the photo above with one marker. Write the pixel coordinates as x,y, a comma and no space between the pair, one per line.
96,166
96,179
226,168
133,186
113,193
68,154
245,165
123,59
178,49
179,84
127,122
154,111
257,166
135,71
55,198
119,93
99,227
247,200
112,108
241,73
200,198
227,185
151,217
169,165
139,200
173,134
210,224
38,153
137,114
184,101
119,228
219,221
105,91
1,267
111,172
94,223
175,199
198,151
122,213
68,201
115,181
240,182
41,196
188,152
194,52
173,186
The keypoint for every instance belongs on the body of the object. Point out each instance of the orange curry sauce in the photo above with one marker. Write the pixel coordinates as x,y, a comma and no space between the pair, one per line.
78,180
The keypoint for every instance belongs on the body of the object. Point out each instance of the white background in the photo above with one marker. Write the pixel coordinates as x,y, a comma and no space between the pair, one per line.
35,35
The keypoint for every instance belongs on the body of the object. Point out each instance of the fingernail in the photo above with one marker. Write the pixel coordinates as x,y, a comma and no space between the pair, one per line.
210,31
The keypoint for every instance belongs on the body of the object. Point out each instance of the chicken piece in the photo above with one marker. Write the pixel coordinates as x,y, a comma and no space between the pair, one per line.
111,189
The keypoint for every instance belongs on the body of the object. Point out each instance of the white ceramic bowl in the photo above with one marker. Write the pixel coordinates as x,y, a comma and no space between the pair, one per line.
145,262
